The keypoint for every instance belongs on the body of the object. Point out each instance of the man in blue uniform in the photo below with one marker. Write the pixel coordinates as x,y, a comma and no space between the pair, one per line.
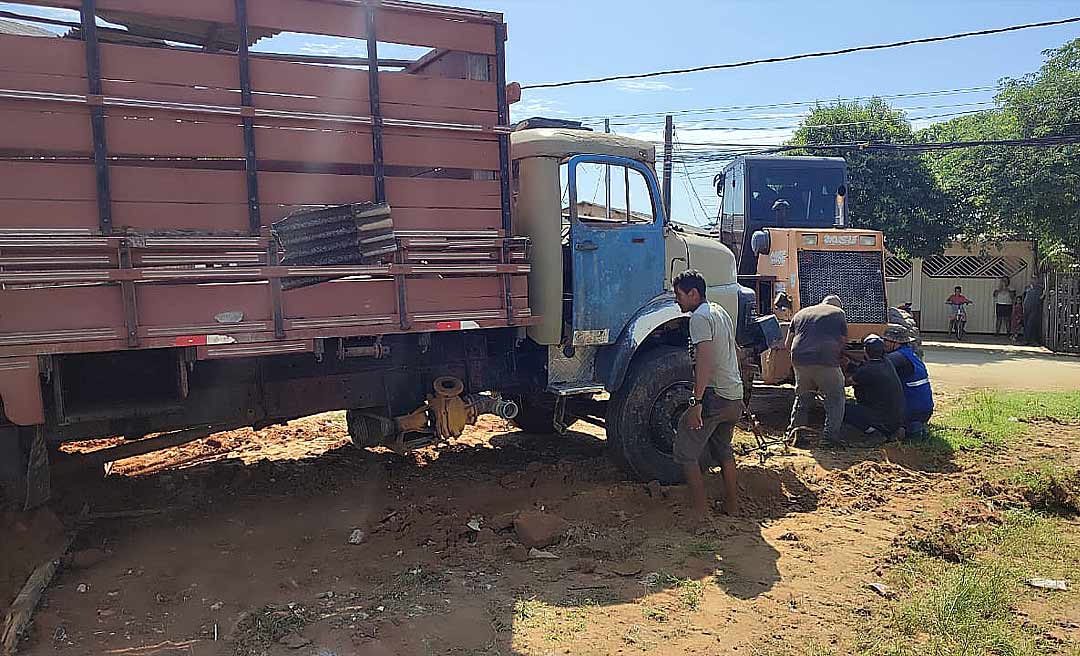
918,396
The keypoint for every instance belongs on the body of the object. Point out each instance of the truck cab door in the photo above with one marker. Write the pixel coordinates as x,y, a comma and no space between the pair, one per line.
616,244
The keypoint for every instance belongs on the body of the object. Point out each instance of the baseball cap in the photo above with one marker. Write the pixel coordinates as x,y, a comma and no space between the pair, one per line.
874,345
833,300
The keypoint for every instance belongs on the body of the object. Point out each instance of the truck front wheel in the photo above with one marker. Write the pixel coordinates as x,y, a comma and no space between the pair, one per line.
644,412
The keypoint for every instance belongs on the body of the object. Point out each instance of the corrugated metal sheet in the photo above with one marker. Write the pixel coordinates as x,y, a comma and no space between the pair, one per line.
344,234
15,28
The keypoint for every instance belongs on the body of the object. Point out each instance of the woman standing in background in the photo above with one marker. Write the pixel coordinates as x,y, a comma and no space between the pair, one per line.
1003,306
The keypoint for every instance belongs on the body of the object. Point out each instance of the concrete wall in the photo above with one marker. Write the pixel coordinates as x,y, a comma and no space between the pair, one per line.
928,282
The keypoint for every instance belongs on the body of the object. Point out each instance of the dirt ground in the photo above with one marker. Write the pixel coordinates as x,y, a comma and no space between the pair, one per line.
954,365
251,553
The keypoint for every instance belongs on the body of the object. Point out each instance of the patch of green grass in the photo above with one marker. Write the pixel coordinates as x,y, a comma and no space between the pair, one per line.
703,549
556,624
527,610
655,613
260,629
991,418
689,591
966,612
966,609
1051,487
782,648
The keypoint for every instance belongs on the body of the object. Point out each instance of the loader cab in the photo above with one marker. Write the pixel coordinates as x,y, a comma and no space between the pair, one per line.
775,191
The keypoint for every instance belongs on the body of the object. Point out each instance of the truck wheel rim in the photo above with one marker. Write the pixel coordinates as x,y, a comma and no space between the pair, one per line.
670,404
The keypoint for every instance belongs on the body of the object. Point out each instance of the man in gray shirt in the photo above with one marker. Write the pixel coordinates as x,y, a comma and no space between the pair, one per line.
717,404
816,338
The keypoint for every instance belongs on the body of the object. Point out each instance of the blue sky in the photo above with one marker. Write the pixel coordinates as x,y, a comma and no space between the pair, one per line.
553,40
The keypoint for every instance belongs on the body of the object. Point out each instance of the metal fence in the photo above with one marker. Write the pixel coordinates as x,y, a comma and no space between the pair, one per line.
1061,318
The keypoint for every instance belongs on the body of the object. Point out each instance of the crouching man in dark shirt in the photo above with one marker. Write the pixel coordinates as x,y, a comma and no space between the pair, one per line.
916,380
879,408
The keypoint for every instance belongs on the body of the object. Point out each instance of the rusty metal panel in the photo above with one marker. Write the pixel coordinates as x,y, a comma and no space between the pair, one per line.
20,390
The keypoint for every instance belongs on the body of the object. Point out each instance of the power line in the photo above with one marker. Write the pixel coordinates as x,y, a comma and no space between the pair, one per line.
1037,142
808,55
986,105
688,181
792,103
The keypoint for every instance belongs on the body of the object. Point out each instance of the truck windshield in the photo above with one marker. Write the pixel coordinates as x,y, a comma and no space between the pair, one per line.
794,196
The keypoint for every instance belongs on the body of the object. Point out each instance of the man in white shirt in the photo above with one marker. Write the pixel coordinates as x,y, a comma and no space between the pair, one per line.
717,404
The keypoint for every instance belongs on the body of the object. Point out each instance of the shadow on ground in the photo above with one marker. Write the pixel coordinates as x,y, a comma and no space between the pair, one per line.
934,455
237,544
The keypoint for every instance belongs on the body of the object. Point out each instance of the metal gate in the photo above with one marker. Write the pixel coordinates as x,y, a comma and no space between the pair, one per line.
1061,318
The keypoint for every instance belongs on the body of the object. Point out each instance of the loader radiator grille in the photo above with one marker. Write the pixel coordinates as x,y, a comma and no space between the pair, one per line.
856,277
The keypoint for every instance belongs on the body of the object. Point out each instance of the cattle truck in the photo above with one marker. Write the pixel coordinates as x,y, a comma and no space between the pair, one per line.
785,219
201,230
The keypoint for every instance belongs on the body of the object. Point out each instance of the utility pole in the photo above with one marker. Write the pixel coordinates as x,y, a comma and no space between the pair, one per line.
669,129
607,177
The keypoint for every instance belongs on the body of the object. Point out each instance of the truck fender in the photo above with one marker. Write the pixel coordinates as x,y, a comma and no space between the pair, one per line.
613,361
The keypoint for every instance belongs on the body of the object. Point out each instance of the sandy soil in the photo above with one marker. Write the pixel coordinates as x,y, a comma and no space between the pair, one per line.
256,525
1000,366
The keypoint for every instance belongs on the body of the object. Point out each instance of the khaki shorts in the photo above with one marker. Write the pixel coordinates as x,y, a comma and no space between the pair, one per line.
719,416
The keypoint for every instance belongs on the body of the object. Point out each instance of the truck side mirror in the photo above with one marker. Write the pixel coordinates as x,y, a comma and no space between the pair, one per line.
718,183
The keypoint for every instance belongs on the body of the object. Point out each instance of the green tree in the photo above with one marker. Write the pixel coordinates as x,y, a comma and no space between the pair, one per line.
1020,191
892,192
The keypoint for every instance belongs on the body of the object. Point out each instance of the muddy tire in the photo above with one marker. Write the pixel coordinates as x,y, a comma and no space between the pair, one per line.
644,413
536,414
24,469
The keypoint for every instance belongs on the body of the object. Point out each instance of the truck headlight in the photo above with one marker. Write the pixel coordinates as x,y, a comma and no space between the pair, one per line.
809,240
867,240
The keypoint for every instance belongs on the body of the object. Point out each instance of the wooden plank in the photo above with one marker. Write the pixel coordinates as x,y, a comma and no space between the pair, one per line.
42,83
436,193
341,298
475,293
422,218
375,298
212,217
162,306
324,82
66,182
42,181
21,612
84,308
49,127
32,127
40,56
457,150
184,68
316,188
336,19
393,26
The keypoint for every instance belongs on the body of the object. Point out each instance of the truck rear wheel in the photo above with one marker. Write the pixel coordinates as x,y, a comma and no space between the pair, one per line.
24,469
644,412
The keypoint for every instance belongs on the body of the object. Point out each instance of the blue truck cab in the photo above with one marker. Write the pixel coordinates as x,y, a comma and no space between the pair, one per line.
603,256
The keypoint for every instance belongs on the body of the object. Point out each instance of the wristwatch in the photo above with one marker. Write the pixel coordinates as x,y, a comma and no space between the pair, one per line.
693,401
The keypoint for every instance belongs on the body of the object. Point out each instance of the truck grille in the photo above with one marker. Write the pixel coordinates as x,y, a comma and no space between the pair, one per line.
856,277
